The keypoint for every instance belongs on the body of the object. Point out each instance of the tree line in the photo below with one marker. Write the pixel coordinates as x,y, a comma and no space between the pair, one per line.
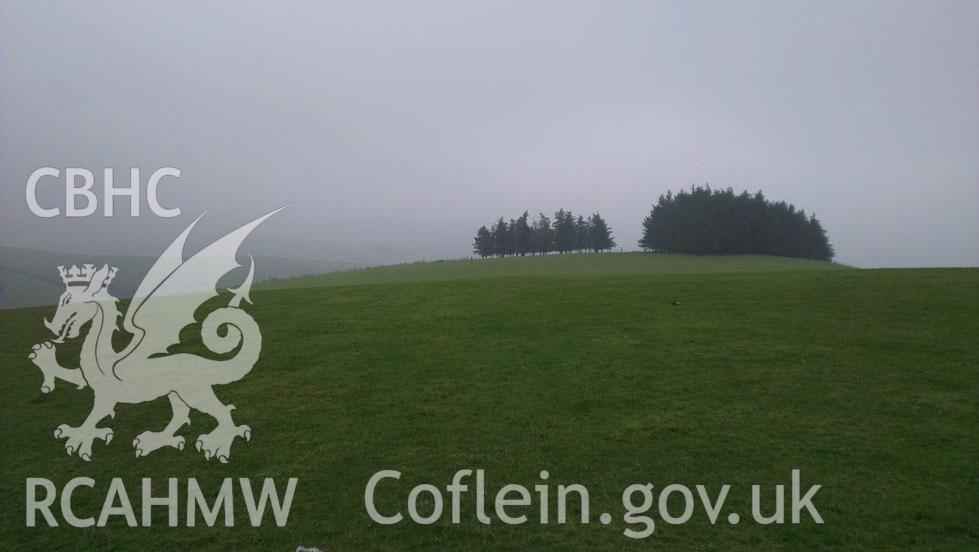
541,236
702,221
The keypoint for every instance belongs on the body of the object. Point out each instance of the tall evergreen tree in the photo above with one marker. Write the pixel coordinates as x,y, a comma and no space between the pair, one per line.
582,234
522,235
502,242
601,234
544,233
564,231
483,244
535,237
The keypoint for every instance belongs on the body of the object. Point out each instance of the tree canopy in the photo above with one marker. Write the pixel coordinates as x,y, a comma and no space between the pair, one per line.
565,234
702,221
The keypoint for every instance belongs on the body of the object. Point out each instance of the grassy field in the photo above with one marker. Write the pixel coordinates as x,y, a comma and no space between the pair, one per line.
604,370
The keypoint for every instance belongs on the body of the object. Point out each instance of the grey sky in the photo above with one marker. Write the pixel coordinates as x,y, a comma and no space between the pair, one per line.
400,127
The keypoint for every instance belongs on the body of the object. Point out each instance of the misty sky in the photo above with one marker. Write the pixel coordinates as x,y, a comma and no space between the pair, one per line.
400,127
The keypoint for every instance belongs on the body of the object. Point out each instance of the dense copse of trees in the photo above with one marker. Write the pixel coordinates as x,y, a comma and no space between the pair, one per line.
565,234
702,221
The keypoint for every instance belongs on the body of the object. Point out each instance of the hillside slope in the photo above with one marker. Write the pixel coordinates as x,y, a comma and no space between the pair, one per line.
29,277
865,380
588,264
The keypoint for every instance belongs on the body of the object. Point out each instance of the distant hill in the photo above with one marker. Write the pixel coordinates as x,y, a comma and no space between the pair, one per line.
29,277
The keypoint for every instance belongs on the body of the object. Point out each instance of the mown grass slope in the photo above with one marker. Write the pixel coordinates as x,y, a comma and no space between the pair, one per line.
865,380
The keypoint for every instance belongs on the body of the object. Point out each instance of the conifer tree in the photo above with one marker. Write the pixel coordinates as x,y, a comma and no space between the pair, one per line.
522,236
545,234
582,234
502,242
601,234
565,232
483,244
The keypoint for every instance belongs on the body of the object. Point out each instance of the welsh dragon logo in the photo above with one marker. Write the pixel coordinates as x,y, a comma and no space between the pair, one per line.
164,303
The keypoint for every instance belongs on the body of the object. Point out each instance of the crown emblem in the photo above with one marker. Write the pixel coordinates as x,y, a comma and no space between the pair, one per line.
75,276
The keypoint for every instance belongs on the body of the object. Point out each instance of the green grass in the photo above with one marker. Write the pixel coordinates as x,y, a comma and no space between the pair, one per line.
866,380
